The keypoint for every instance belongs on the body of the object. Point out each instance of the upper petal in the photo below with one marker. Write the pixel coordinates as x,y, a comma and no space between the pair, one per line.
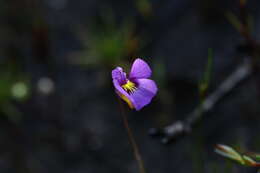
140,69
147,89
147,84
119,75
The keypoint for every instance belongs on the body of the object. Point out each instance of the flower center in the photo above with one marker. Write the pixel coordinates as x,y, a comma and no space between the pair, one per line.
129,86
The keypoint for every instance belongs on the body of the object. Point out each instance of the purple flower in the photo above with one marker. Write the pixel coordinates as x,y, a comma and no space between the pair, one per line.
136,89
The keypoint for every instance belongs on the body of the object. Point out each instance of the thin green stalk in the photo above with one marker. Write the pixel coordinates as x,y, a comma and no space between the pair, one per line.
132,140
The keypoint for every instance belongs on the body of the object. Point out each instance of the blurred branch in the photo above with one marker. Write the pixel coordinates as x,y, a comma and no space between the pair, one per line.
181,128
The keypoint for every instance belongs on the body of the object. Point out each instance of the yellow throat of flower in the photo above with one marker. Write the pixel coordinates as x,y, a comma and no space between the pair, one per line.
129,87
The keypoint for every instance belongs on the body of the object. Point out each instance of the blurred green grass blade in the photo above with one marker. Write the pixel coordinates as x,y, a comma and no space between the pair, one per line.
257,156
10,112
159,71
234,21
204,84
108,43
251,23
144,7
207,76
5,85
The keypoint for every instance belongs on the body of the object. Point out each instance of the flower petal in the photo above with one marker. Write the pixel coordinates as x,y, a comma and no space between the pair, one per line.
140,69
147,89
119,75
147,84
123,94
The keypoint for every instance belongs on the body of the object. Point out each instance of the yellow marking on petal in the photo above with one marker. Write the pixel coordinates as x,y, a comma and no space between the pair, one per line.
127,101
129,87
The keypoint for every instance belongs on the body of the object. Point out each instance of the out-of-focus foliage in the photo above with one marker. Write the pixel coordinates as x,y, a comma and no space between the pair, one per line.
14,87
234,21
144,7
232,154
205,81
107,42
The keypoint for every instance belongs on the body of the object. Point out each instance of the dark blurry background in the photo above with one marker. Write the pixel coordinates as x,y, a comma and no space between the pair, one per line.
58,109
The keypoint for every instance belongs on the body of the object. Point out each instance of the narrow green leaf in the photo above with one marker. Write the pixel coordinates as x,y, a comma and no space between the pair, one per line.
229,153
204,84
248,161
257,156
234,21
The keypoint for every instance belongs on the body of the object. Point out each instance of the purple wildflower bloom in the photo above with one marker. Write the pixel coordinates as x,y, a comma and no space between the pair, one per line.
136,89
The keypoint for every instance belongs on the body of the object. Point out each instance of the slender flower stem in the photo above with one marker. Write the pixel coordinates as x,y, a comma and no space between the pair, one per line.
132,140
